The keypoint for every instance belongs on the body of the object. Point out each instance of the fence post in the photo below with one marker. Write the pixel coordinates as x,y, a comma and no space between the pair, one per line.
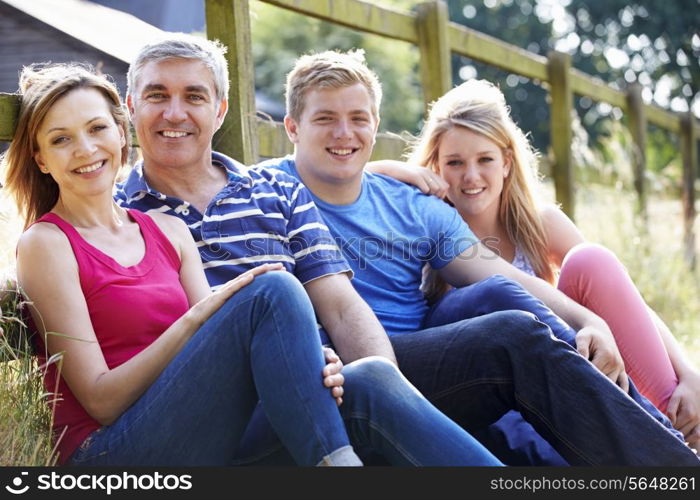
690,171
229,22
638,129
560,129
435,60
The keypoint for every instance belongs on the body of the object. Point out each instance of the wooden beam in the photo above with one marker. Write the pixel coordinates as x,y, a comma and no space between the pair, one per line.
561,130
9,113
435,60
229,22
689,152
638,130
272,139
664,119
358,15
490,50
597,89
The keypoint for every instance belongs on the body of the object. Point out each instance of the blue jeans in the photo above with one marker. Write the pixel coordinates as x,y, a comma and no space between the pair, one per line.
476,370
511,438
258,345
262,345
388,421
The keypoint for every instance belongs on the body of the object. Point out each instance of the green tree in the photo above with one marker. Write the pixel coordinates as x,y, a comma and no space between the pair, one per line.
654,43
515,22
621,41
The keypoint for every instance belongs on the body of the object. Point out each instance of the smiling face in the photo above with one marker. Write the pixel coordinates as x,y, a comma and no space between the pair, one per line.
475,168
334,135
175,113
80,144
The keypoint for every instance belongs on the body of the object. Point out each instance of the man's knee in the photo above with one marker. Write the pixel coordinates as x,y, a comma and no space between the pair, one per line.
501,293
497,330
281,281
371,372
277,287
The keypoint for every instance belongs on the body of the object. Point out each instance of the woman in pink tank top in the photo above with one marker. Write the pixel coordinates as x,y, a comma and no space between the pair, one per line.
125,295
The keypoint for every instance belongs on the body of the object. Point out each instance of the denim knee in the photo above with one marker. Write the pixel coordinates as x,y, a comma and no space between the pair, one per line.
370,371
280,289
499,292
281,283
512,329
373,375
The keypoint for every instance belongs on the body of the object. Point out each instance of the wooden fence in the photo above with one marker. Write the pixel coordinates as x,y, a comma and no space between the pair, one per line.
247,138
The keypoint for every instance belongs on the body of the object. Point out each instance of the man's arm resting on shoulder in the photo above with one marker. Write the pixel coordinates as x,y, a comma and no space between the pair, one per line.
352,326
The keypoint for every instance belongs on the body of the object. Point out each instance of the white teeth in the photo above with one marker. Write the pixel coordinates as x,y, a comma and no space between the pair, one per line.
341,152
90,168
472,191
172,133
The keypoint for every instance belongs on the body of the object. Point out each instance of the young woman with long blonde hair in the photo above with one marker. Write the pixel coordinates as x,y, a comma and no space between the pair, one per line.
487,169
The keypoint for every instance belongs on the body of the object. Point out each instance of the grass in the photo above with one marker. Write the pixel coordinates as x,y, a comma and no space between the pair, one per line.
652,253
25,416
653,257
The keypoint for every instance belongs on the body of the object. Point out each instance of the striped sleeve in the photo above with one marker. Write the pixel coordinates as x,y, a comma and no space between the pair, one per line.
310,242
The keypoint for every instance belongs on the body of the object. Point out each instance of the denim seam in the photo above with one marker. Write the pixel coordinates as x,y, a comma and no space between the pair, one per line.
362,416
458,387
554,431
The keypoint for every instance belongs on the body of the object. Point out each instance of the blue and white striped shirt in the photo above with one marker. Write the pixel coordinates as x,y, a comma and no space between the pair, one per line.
261,215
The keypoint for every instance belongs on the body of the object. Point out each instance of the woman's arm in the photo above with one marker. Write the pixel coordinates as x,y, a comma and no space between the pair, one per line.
684,406
192,276
48,273
562,234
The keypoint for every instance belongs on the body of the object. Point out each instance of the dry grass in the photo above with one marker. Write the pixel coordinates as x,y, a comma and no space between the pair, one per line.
653,255
25,417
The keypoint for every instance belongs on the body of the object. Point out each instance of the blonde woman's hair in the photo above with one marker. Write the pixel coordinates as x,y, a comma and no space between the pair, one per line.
329,69
480,106
40,87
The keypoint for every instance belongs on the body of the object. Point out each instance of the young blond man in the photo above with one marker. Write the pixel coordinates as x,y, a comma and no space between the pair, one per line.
475,370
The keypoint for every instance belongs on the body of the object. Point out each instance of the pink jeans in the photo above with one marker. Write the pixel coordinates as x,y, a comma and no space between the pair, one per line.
594,277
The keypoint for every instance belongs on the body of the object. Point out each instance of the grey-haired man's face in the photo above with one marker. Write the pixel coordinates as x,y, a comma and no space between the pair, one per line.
175,112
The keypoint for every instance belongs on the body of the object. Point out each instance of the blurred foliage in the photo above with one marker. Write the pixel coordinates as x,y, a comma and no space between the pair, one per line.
280,36
654,43
512,21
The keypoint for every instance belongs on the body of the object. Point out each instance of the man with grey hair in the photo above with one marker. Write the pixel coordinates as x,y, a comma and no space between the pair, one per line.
243,217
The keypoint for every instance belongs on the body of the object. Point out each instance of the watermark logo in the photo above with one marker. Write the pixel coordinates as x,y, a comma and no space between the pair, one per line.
16,488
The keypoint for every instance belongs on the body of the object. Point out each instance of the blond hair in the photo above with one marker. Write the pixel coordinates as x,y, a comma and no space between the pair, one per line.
480,106
329,69
40,87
